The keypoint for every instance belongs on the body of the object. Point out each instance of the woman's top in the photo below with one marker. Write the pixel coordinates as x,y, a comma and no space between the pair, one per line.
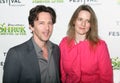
81,64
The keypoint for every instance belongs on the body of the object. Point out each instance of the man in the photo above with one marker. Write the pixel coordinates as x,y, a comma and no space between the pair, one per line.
37,60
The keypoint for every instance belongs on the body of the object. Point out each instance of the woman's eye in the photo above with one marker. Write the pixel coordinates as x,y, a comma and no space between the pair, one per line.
79,19
88,21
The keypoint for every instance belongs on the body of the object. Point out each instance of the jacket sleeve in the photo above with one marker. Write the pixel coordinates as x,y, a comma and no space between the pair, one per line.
105,65
62,72
11,71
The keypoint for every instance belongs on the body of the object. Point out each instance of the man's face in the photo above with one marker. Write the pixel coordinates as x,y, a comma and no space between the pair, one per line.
43,27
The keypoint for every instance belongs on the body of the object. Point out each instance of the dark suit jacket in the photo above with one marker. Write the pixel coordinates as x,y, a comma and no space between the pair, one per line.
21,64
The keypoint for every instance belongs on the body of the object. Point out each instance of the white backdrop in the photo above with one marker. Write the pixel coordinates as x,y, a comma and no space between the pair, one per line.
14,24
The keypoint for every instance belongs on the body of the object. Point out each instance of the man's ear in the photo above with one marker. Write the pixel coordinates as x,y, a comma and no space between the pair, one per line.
31,28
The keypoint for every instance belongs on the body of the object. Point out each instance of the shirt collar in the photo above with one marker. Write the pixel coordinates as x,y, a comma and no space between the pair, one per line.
38,49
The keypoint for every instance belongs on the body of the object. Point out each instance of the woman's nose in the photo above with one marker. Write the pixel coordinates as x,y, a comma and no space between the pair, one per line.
83,23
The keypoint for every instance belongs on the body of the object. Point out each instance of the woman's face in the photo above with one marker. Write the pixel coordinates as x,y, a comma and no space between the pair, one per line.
82,23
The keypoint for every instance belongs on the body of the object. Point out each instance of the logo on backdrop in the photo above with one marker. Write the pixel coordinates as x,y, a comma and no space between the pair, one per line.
12,2
12,29
87,1
2,61
118,1
47,1
115,33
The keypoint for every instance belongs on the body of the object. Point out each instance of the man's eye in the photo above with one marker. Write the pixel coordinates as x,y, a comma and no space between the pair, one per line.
50,23
40,22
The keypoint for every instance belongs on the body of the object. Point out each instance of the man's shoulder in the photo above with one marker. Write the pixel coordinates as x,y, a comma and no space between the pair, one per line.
53,44
22,46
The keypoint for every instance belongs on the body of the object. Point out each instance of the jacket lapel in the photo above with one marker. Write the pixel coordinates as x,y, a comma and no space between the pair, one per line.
56,54
33,60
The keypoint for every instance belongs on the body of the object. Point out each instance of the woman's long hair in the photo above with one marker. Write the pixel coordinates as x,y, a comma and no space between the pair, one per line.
92,34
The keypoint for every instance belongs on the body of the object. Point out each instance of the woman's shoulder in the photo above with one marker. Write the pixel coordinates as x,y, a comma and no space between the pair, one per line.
64,41
102,43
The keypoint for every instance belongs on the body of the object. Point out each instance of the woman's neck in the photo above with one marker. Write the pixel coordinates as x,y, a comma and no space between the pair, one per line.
79,38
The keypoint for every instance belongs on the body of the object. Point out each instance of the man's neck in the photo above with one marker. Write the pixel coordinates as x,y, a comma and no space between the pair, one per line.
40,43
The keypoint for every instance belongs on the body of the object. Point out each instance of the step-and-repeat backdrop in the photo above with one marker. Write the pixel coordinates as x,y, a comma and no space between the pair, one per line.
14,27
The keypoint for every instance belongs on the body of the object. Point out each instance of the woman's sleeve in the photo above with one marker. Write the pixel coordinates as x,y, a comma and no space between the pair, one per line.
62,72
105,65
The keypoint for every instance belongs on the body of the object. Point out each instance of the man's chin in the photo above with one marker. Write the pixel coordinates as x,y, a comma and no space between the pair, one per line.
45,40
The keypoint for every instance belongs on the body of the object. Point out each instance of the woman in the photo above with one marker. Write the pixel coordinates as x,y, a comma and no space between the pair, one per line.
84,56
